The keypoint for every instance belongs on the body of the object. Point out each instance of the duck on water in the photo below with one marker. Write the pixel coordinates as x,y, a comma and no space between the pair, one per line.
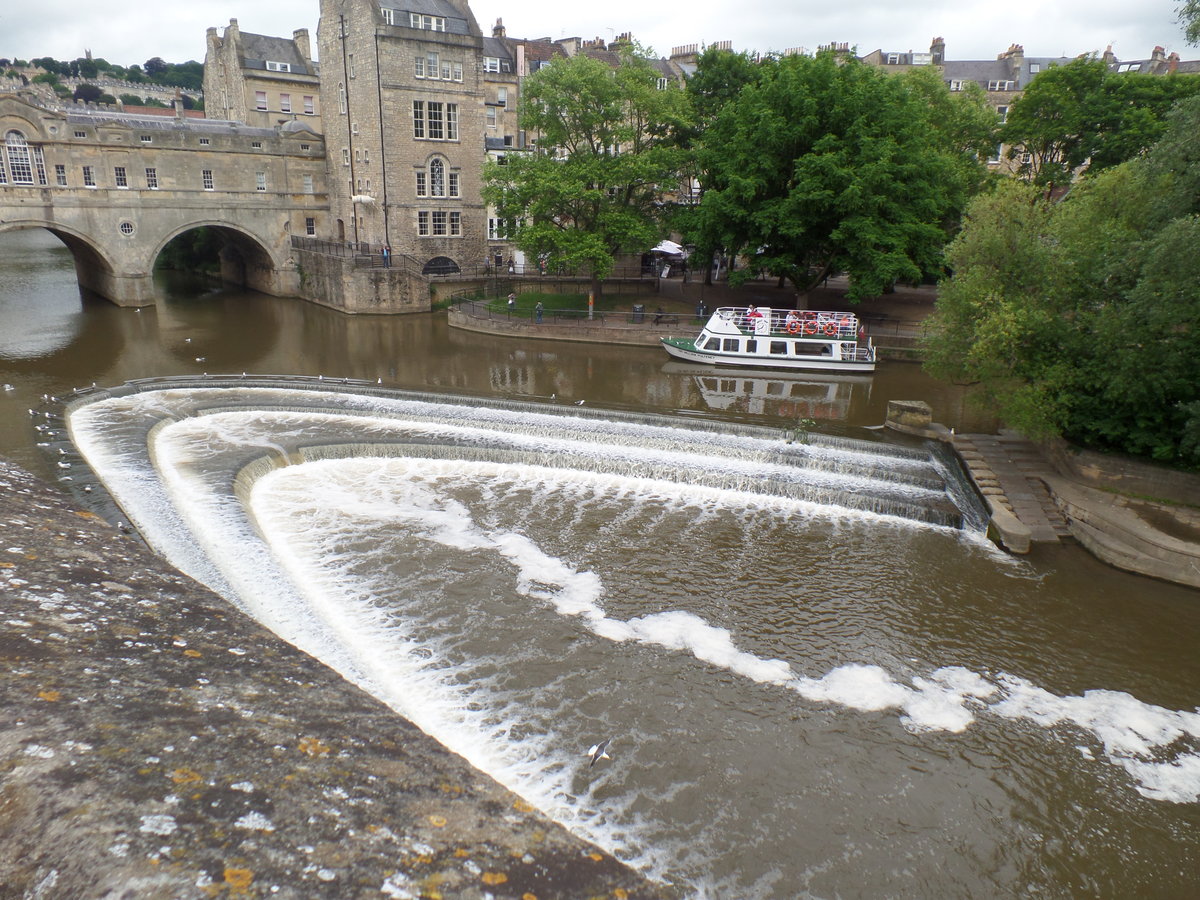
761,337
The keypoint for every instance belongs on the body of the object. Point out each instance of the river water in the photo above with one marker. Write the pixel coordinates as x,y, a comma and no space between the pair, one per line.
814,682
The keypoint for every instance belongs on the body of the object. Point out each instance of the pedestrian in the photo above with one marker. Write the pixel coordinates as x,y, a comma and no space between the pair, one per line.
537,312
512,303
386,251
512,267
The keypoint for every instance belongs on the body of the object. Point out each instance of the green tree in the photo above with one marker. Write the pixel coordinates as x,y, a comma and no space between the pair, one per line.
1082,114
591,189
826,165
1189,18
88,93
132,100
1082,318
154,66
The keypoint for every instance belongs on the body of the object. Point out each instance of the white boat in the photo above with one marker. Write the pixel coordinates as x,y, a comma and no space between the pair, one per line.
765,338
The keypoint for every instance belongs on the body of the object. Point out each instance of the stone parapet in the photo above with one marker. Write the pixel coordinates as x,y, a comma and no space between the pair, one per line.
158,743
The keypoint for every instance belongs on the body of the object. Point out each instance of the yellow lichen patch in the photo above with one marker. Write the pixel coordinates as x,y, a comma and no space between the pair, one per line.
450,788
521,806
437,821
192,653
238,879
462,852
528,896
185,776
596,856
311,746
31,556
7,565
84,514
494,878
49,696
620,894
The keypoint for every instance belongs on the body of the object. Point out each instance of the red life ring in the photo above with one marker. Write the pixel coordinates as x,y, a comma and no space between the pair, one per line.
810,327
794,326
831,329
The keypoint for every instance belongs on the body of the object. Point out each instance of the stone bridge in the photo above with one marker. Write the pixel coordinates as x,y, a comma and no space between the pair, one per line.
117,187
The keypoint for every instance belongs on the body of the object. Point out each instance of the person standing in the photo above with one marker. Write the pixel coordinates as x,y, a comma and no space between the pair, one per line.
537,312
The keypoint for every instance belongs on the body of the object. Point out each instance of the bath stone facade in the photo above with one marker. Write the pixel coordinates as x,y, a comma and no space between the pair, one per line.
403,95
260,80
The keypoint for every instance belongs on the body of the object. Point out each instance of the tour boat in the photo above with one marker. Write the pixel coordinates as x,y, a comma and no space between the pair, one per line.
765,338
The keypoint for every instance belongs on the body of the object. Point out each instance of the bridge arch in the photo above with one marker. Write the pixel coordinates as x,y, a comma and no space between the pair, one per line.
245,259
94,267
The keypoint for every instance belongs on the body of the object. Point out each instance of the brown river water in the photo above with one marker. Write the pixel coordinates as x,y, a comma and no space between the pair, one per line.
812,685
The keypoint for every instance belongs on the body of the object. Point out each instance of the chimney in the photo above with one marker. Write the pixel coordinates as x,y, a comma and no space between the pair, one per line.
1109,57
498,29
937,51
303,45
1172,63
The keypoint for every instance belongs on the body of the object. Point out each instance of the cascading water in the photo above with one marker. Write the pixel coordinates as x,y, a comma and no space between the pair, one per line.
736,611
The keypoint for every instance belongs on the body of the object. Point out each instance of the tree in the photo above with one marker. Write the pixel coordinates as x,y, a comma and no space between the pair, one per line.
1082,318
825,164
132,100
1189,18
1080,114
591,189
154,66
88,93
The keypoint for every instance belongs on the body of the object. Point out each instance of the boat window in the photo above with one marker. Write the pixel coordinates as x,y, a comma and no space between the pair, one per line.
714,343
775,388
779,348
732,345
809,348
751,346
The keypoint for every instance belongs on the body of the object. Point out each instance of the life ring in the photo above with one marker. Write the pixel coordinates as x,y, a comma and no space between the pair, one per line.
810,327
831,329
794,326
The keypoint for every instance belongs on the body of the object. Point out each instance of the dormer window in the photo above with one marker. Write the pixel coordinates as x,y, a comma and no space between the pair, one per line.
427,23
491,64
893,59
1000,85
278,66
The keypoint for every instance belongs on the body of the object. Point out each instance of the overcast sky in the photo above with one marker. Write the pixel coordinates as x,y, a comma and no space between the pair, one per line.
135,30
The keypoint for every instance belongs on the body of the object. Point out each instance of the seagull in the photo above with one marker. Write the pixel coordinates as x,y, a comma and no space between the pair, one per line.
579,402
200,359
187,340
599,752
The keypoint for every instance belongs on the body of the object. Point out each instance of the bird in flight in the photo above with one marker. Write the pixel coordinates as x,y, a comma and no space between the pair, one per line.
599,752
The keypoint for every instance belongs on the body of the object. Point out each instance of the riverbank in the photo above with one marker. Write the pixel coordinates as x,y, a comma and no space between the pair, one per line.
158,743
893,321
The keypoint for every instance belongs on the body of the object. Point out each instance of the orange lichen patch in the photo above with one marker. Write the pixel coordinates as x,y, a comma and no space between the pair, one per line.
185,776
49,696
84,514
620,893
238,879
7,565
31,556
528,896
450,788
521,806
192,653
595,856
494,877
462,852
437,821
311,746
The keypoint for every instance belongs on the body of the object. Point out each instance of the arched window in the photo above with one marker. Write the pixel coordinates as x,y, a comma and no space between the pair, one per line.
22,160
437,178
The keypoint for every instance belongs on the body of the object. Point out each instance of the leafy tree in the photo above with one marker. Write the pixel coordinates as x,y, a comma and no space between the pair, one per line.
154,66
591,189
86,68
1082,318
132,100
1189,18
825,165
45,78
88,93
1081,114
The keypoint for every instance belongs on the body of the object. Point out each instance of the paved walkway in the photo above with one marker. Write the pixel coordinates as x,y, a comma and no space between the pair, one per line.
1009,470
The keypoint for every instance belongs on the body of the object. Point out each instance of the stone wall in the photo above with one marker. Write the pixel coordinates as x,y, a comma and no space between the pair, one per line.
337,283
1124,475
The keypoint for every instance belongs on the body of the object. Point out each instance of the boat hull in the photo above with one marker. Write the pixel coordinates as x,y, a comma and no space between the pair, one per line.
686,351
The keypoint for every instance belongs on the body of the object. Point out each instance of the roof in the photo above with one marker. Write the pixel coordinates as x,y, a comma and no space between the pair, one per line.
456,23
258,49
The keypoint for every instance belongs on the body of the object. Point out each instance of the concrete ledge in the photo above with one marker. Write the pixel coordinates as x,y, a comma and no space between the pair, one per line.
1115,534
157,743
1007,530
605,331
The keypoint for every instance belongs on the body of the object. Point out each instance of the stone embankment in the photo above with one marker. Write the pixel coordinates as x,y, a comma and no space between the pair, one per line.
157,743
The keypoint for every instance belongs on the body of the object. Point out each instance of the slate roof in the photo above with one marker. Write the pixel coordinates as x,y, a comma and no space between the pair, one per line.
257,49
455,22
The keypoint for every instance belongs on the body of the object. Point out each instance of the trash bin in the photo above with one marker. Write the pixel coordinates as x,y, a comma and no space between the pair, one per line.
639,314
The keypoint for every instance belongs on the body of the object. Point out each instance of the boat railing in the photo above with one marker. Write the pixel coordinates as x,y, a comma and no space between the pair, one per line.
813,323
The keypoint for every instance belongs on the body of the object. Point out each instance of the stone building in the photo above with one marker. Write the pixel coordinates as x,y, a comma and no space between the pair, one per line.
261,80
402,84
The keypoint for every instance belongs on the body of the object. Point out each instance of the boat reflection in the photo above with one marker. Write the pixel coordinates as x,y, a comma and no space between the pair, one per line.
793,395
